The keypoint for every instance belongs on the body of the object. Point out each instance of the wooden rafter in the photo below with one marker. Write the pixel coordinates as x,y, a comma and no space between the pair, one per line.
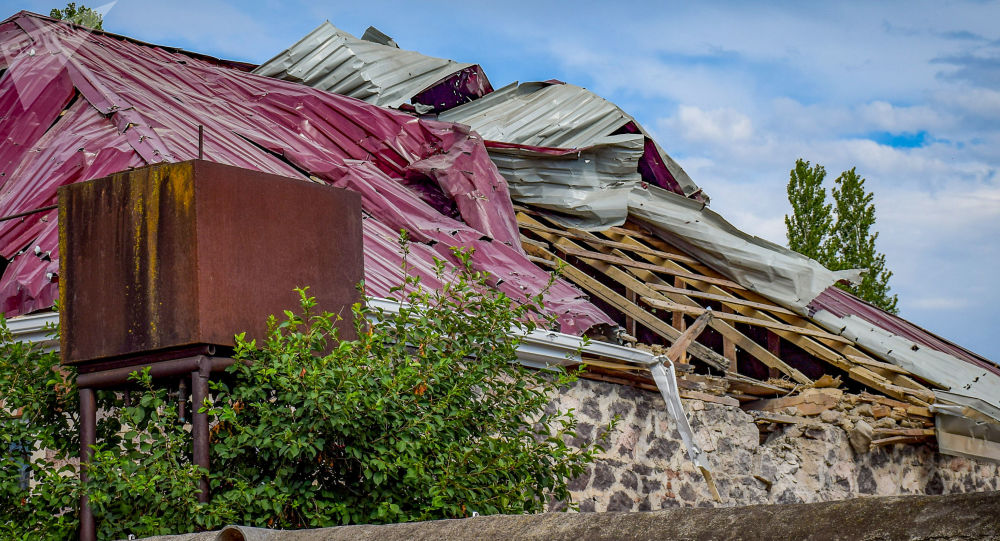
641,288
818,347
623,305
675,307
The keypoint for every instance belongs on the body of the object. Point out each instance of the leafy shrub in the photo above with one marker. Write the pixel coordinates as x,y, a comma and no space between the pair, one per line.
424,416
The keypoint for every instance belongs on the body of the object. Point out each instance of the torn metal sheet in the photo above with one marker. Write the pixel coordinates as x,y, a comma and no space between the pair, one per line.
554,114
368,69
588,188
114,104
786,277
666,382
967,427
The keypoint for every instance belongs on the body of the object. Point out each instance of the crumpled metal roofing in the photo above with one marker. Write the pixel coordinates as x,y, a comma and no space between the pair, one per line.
77,105
368,69
589,188
550,118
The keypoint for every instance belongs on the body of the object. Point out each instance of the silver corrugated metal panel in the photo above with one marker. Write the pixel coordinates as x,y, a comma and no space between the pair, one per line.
786,277
589,188
966,427
541,114
555,115
375,35
36,329
334,60
961,377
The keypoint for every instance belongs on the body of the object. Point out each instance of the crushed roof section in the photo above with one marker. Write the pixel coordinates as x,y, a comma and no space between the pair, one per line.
369,69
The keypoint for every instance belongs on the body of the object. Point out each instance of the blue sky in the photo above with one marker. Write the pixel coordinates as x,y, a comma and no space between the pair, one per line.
908,92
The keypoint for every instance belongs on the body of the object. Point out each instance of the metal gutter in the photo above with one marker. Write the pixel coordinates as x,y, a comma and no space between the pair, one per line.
35,329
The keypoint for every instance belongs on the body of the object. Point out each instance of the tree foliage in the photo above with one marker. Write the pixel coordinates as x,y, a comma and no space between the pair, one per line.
424,416
82,16
808,227
853,241
838,235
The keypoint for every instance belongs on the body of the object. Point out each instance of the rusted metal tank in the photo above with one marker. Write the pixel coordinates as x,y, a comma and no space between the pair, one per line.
178,256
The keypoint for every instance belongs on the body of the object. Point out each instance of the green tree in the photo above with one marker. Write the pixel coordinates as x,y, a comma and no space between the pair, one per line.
808,227
853,241
82,16
424,416
838,235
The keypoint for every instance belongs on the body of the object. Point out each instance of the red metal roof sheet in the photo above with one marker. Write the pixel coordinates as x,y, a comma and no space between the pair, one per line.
132,104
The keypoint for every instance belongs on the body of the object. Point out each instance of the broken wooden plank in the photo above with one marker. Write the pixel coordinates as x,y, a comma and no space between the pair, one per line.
752,386
764,417
673,306
871,363
898,440
875,381
680,346
725,299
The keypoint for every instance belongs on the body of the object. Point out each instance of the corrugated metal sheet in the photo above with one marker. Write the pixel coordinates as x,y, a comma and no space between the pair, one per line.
543,115
588,188
136,105
841,303
558,115
786,277
334,60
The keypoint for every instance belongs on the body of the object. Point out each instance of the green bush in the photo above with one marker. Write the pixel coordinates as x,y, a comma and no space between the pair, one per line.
423,416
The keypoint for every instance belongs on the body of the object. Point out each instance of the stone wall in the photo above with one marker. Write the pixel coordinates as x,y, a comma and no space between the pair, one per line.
645,466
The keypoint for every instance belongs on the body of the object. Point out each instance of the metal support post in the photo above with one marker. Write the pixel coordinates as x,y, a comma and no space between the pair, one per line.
88,438
199,422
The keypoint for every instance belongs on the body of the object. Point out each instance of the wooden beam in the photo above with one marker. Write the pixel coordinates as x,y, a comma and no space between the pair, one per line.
729,347
725,299
677,319
581,235
676,350
774,346
725,329
622,304
673,306
586,254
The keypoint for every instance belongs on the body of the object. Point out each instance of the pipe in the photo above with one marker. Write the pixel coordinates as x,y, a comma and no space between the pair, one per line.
120,376
182,393
88,438
199,423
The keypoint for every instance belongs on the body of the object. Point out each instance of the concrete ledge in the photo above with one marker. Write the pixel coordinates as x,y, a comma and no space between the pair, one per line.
963,516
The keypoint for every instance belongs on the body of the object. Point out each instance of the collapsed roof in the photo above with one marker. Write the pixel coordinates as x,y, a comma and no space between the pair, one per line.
433,149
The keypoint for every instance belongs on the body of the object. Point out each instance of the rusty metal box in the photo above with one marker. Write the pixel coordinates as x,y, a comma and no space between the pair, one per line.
171,256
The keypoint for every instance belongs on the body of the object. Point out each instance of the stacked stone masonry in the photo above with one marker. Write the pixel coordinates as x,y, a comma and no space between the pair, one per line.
645,465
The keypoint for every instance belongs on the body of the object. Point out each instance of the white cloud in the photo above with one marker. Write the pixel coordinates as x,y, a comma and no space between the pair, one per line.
718,126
